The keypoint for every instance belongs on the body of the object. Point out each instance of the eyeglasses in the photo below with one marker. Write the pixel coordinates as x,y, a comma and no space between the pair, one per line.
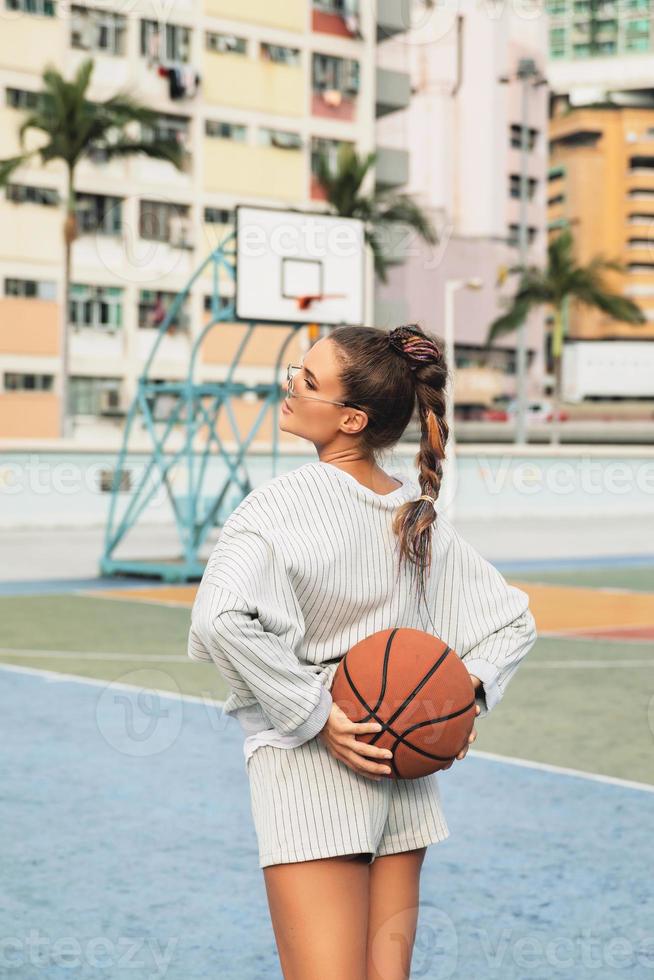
291,371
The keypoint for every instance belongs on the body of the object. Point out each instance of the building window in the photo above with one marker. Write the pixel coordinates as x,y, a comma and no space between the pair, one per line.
279,138
121,478
95,396
99,214
225,130
168,127
98,307
514,232
557,199
165,42
154,306
45,8
516,137
225,43
514,186
637,44
224,302
20,98
26,194
345,8
280,54
28,382
160,221
98,30
31,288
218,216
642,163
331,74
320,146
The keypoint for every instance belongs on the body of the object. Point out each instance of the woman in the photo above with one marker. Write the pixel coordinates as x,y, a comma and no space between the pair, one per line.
306,566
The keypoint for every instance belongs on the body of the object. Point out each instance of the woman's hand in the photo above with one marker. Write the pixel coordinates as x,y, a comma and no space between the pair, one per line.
473,734
339,735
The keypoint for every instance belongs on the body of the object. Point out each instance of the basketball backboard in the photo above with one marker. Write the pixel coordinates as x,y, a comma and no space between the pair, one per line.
299,267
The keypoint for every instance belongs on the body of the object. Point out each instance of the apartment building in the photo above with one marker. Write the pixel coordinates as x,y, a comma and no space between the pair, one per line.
252,91
463,127
601,181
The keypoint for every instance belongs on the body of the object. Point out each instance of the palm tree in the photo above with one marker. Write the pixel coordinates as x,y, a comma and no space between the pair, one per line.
562,280
74,128
378,210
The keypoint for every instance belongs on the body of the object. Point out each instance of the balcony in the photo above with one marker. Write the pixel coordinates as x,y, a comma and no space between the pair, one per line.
29,326
25,39
393,91
238,168
392,167
235,80
288,16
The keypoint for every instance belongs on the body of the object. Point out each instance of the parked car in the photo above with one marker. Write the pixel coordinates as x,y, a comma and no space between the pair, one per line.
495,414
538,410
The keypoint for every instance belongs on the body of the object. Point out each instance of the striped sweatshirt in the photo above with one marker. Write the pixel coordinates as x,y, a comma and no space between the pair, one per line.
305,567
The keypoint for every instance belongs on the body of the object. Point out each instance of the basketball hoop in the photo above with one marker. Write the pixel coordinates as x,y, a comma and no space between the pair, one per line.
304,302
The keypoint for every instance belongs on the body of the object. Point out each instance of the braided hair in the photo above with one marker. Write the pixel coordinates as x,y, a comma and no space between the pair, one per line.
389,375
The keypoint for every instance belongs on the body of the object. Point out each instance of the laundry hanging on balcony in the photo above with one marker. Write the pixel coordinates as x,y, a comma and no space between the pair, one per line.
183,80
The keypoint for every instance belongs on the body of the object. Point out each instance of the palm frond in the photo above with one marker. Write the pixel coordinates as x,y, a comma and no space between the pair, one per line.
156,149
8,166
509,321
403,209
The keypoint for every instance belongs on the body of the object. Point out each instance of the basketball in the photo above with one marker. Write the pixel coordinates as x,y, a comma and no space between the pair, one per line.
418,688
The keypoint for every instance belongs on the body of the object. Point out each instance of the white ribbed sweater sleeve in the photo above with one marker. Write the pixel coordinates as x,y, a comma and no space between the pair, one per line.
247,618
494,629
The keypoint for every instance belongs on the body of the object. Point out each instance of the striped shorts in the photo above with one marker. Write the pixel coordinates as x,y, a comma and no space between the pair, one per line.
306,804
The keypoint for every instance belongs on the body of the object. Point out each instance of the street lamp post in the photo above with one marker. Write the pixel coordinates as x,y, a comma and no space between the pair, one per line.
449,469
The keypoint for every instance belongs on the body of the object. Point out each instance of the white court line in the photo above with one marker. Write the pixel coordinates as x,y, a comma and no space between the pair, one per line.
562,770
51,675
173,658
93,655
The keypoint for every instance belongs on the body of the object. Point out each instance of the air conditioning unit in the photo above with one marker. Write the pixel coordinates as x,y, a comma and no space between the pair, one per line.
181,232
111,402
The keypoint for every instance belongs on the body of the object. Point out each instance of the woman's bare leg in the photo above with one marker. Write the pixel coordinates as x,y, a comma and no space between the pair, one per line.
319,913
393,916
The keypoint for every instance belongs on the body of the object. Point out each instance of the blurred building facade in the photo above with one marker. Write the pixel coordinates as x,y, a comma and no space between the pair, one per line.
252,91
601,183
463,127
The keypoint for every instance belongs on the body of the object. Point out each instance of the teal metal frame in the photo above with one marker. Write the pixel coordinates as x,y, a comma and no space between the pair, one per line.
196,409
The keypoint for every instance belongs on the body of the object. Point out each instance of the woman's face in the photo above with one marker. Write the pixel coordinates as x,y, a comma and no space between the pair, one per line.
305,415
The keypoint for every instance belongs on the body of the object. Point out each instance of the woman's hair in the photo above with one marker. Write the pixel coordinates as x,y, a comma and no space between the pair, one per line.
389,375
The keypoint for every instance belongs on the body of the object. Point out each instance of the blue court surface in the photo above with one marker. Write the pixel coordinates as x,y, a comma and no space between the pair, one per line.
129,852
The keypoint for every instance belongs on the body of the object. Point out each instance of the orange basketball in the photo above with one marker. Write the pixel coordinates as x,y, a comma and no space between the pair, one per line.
418,688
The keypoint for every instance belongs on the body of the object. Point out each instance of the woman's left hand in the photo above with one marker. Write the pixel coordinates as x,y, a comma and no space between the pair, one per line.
473,734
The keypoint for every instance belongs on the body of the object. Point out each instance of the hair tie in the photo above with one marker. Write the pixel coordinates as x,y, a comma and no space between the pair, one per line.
416,347
424,496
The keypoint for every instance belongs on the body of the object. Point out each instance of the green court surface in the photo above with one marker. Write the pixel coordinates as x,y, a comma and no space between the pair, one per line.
613,577
576,702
